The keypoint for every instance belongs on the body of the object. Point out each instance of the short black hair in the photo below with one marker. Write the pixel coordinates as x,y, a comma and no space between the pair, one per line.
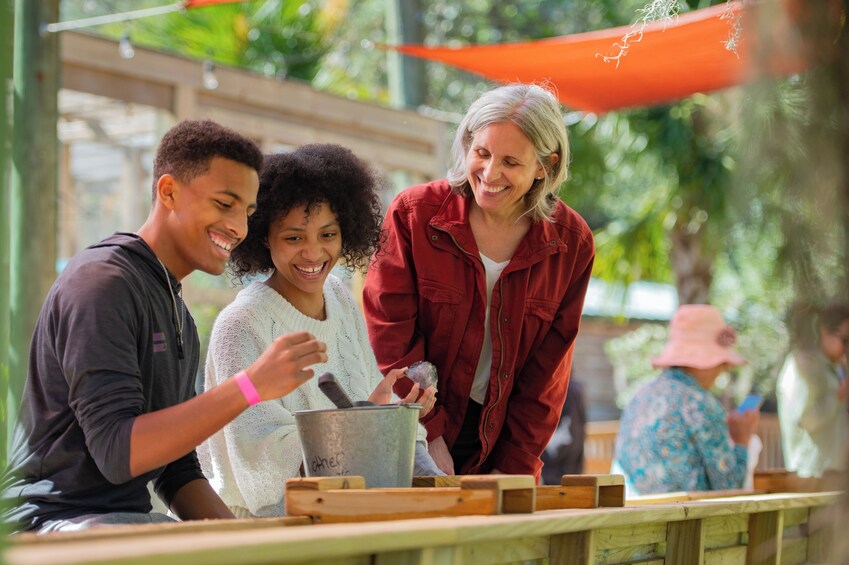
187,148
309,176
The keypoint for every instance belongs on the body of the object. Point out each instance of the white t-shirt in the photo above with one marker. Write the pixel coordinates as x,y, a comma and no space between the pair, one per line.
481,382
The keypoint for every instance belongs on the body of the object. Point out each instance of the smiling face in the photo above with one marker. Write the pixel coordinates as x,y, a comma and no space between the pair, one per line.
304,248
209,215
501,166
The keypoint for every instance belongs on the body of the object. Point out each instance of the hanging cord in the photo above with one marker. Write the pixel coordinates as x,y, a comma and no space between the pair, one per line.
178,320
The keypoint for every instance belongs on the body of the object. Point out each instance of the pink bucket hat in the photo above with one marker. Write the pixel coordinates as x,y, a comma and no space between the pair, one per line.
699,338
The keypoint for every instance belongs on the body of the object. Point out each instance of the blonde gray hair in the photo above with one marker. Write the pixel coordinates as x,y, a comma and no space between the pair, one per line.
536,111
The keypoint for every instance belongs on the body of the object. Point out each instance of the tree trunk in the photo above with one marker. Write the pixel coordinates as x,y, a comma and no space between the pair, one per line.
7,11
691,265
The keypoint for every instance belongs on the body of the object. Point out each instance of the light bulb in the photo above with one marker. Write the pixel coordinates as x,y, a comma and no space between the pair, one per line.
125,48
210,81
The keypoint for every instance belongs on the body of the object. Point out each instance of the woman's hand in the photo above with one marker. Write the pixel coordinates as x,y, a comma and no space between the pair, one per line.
441,456
382,393
427,399
741,426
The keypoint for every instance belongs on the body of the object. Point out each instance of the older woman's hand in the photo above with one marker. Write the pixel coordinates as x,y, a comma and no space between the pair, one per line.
741,425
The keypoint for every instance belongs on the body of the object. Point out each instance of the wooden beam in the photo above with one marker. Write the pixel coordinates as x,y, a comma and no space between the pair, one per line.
685,543
766,530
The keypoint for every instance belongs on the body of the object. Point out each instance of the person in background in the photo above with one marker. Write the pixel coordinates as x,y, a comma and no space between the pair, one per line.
564,454
109,401
316,205
812,391
674,435
484,274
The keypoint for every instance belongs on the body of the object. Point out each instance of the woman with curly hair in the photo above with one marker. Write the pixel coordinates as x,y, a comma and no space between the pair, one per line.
315,205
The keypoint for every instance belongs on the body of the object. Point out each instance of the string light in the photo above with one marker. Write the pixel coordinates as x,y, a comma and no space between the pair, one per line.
210,81
125,48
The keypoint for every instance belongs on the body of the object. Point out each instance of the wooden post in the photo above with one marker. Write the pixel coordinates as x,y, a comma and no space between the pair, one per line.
820,531
576,548
34,179
685,543
766,533
7,10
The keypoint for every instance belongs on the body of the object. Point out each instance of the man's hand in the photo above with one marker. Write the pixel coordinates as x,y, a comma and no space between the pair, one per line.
285,364
441,456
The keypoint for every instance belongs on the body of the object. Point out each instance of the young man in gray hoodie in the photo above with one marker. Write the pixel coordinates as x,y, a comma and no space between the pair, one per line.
109,401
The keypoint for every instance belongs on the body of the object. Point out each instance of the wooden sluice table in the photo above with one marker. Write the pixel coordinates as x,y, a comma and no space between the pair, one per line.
768,528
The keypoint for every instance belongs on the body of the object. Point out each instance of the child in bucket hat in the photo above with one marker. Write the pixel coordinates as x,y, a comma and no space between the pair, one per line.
674,435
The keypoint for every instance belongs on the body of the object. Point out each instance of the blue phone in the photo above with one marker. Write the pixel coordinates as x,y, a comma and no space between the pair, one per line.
751,402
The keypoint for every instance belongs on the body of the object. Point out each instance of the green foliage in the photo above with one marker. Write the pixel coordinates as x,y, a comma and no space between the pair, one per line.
631,355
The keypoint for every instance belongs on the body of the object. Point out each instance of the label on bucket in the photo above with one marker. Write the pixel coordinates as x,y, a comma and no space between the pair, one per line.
331,464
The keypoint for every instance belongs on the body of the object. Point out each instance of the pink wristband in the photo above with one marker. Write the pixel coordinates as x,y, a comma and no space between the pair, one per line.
247,388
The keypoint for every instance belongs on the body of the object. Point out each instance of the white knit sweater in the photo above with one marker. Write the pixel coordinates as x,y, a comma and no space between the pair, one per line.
248,461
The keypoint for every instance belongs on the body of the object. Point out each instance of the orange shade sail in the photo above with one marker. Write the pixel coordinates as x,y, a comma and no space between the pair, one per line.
673,60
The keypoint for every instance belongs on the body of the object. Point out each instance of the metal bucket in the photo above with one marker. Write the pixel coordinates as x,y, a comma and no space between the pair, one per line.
376,442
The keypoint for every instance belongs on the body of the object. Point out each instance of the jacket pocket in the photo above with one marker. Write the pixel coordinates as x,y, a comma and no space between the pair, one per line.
539,315
439,315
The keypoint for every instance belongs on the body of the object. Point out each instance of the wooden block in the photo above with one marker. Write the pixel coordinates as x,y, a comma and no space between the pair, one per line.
516,493
685,542
336,506
576,548
441,481
326,483
558,498
766,530
609,489
594,480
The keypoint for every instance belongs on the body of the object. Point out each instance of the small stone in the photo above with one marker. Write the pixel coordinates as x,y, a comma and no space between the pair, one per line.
423,373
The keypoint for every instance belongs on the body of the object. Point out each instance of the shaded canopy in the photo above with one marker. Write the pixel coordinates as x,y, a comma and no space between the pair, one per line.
672,61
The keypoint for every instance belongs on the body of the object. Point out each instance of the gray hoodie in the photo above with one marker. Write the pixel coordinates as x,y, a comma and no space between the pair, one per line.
104,351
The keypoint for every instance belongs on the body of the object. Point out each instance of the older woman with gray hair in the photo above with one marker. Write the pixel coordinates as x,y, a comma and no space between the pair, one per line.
484,274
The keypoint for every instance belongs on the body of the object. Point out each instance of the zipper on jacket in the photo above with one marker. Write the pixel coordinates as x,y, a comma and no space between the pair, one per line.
485,450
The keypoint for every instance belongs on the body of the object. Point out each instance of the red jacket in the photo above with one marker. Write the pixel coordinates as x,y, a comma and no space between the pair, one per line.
424,298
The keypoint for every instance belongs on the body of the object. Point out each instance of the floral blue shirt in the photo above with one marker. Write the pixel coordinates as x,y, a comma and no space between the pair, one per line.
673,437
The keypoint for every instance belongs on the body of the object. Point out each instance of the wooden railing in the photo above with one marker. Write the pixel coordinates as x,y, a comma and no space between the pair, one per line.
601,440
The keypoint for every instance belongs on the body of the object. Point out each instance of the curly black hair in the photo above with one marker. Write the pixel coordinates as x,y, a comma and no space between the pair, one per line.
187,148
309,176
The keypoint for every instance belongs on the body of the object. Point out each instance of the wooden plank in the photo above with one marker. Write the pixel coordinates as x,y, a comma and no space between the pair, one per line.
645,553
442,481
725,531
794,551
516,493
510,551
626,536
325,483
575,548
684,496
725,556
795,516
337,506
765,538
174,528
685,543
